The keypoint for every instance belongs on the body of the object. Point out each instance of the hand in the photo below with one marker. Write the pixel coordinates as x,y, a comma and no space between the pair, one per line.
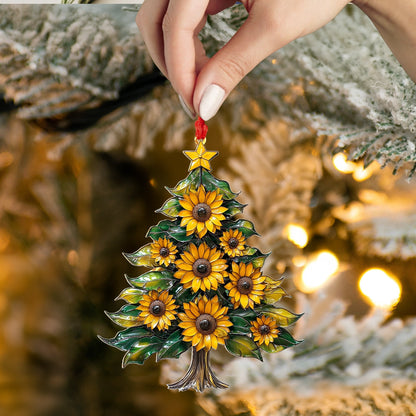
170,30
395,21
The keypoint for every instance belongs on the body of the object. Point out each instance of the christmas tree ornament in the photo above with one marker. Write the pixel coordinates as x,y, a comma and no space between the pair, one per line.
205,286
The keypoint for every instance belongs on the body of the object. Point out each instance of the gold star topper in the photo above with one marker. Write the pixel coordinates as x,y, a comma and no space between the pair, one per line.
200,157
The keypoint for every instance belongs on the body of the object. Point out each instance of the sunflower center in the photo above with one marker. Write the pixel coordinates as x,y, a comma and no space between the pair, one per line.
157,308
244,285
233,242
201,212
164,252
205,324
201,268
264,329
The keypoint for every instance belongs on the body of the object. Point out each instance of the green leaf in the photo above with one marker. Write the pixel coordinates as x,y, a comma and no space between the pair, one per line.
271,296
131,295
285,339
142,350
182,295
233,208
155,279
178,233
190,183
242,346
171,208
240,325
254,256
127,316
246,227
272,283
272,347
281,315
159,230
141,257
173,347
169,229
247,314
126,338
212,183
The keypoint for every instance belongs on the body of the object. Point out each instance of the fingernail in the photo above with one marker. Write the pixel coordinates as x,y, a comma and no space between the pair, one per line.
185,108
211,101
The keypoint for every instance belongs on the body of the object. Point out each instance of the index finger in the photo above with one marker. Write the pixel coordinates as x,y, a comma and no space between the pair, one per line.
182,22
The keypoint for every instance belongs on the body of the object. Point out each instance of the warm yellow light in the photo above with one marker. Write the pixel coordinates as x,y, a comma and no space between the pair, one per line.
296,234
360,174
380,288
342,164
318,270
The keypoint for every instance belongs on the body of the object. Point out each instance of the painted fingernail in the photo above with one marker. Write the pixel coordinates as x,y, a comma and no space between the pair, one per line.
211,101
185,108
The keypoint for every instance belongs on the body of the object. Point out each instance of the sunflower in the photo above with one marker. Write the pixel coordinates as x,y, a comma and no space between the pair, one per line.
205,323
201,268
246,285
163,251
202,211
264,330
232,241
158,309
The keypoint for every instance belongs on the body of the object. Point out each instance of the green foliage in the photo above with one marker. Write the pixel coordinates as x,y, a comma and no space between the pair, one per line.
125,339
141,257
171,230
246,227
153,280
142,350
173,347
243,346
171,208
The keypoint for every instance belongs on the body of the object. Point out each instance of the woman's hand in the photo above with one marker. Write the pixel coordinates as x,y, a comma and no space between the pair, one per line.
170,30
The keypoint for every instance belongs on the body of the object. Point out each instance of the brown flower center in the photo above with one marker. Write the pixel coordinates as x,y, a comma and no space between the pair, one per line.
201,212
164,252
264,329
233,242
205,324
245,285
157,308
201,268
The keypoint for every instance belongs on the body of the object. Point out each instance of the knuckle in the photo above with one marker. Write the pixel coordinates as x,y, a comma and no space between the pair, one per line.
167,23
234,68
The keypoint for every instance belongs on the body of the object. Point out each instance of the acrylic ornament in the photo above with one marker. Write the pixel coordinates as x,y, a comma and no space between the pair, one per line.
205,286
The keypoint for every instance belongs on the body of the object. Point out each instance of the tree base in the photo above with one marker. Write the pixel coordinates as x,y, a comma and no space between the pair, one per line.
199,375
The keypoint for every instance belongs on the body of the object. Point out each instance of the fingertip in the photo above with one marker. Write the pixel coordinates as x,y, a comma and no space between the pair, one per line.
211,100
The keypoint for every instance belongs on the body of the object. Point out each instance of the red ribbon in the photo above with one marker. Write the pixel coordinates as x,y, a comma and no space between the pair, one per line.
201,129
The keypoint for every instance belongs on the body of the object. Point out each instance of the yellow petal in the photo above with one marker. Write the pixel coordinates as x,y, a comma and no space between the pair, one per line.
201,248
214,342
244,301
196,284
190,331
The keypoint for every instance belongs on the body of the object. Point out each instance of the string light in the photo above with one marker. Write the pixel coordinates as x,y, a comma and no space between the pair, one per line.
317,271
342,164
361,174
381,289
296,234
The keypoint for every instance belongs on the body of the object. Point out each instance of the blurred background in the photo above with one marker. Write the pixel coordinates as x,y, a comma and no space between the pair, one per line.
90,133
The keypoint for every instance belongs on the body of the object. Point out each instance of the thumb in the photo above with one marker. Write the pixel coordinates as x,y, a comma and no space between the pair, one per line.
252,43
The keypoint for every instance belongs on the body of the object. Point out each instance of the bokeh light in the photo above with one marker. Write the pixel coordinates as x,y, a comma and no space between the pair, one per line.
297,235
317,271
342,164
380,289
